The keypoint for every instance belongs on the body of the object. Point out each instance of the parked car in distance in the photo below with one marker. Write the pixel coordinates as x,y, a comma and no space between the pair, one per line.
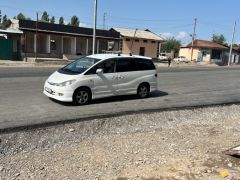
102,75
163,56
180,59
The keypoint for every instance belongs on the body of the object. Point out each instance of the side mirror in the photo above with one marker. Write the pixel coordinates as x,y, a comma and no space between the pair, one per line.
99,71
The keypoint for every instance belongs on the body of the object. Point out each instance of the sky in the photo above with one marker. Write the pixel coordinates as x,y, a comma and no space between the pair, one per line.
165,17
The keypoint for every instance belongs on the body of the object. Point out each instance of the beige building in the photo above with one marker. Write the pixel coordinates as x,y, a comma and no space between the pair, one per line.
204,51
139,42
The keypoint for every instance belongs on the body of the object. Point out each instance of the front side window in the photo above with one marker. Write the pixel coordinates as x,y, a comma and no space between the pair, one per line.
78,66
108,66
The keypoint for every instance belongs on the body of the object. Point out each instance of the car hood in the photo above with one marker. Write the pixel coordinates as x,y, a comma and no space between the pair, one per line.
57,77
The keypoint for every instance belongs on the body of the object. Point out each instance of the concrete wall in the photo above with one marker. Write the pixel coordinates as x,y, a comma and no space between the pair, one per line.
66,45
150,47
81,46
186,52
29,42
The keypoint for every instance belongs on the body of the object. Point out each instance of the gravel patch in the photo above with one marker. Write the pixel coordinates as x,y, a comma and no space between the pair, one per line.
185,144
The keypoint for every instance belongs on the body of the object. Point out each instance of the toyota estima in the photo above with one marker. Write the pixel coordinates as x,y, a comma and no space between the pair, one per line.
102,75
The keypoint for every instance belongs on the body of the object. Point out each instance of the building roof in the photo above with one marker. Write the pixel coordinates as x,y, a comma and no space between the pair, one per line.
205,44
10,31
65,29
141,34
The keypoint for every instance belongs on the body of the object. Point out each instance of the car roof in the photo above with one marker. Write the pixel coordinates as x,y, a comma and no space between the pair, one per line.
108,56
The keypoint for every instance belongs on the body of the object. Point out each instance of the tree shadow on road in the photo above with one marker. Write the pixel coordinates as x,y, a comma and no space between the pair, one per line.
116,98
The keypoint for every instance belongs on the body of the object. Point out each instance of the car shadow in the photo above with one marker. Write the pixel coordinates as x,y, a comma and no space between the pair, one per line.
115,98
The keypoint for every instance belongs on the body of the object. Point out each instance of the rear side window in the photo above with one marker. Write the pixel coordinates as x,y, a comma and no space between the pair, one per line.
125,65
144,64
134,64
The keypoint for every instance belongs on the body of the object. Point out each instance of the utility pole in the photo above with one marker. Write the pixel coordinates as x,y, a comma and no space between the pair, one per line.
94,25
135,32
104,20
231,48
193,37
36,45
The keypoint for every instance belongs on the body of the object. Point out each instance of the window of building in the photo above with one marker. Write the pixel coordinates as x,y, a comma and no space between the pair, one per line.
127,39
153,42
136,40
145,41
53,45
121,45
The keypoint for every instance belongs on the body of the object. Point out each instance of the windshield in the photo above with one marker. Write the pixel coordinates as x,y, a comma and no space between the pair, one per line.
79,66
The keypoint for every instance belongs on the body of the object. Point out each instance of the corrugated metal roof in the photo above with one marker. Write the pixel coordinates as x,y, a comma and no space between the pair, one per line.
10,31
141,34
65,29
206,44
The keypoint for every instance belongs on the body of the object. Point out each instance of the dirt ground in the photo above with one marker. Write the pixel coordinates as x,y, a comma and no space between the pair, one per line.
171,145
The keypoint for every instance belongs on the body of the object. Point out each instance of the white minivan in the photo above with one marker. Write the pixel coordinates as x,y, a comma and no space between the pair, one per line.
102,75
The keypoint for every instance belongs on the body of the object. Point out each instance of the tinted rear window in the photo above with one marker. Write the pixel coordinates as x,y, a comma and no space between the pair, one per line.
134,64
144,64
125,65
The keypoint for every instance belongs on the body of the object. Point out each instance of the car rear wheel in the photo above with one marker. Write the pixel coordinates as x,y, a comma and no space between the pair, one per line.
82,96
143,91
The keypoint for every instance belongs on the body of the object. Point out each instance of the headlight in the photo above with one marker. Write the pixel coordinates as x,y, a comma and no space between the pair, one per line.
66,83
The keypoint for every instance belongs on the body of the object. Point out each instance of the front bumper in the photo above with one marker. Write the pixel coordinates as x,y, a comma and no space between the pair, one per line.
60,94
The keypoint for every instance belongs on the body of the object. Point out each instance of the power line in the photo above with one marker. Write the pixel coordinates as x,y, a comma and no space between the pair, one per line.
147,20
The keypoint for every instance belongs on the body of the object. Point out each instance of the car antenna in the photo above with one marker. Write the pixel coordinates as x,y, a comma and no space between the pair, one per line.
133,41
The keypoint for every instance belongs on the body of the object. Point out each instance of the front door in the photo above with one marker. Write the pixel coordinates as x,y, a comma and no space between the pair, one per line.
105,84
142,51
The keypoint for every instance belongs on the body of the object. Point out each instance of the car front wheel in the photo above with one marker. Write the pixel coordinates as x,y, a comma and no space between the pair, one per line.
82,96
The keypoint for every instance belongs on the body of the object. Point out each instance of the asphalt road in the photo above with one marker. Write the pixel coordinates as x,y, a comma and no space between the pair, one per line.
22,102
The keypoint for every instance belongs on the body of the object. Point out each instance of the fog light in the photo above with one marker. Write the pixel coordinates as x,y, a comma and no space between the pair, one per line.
60,94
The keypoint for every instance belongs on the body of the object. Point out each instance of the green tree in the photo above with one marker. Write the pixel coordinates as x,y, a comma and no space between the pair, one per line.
74,21
45,17
21,16
61,20
171,44
52,20
220,39
5,22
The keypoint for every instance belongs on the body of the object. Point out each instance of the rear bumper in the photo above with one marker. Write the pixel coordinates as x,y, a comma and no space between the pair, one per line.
58,94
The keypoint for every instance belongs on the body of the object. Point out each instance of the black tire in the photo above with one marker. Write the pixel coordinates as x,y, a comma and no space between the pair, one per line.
143,90
82,96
